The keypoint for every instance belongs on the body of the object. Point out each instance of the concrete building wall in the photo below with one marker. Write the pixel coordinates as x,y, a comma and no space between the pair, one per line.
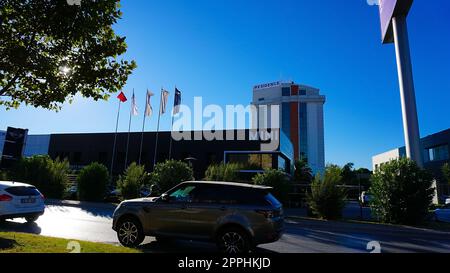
385,157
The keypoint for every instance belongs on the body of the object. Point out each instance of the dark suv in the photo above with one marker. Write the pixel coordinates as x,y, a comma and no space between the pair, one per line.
237,217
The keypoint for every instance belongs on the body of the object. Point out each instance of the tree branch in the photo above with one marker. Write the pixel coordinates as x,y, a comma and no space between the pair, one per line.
8,85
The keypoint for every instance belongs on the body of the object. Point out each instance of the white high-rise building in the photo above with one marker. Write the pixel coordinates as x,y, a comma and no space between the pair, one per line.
301,118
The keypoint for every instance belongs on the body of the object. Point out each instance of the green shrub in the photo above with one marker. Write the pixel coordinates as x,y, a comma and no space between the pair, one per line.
92,182
326,199
277,180
223,172
49,176
402,192
131,182
171,173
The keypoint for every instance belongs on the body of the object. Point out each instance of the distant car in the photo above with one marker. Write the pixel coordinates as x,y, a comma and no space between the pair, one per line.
238,217
443,214
19,200
72,192
447,201
365,198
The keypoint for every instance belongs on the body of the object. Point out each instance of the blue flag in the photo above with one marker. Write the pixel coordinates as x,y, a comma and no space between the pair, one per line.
177,102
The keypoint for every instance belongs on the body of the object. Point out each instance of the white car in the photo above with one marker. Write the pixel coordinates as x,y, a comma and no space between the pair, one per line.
443,215
19,200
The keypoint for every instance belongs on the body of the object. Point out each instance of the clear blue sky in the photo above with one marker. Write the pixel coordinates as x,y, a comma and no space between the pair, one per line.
219,49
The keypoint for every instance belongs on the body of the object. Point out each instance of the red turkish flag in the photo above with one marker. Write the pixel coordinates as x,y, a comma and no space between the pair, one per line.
122,97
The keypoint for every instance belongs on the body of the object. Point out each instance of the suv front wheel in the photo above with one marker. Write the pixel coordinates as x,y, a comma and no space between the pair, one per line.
130,233
233,241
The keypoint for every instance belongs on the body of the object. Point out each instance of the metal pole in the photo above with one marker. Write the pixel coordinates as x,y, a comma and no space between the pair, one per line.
115,141
157,130
170,146
142,138
407,93
128,137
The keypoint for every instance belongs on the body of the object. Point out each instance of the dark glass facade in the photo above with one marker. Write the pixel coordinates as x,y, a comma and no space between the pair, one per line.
303,120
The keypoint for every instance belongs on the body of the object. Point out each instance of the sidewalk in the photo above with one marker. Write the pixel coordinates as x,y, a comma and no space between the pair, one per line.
80,204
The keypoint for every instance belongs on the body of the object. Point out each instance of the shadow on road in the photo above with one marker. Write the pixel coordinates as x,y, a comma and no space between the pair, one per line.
186,247
356,236
31,228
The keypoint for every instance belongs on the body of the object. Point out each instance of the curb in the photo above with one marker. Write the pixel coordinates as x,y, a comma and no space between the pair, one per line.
79,204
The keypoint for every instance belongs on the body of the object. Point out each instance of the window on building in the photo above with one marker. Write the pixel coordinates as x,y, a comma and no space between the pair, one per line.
302,92
438,153
286,91
261,99
303,112
286,119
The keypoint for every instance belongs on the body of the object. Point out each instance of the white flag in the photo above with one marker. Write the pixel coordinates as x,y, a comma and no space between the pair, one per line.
164,98
134,108
148,105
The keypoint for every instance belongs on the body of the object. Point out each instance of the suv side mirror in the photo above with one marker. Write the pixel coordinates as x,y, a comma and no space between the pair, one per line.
165,197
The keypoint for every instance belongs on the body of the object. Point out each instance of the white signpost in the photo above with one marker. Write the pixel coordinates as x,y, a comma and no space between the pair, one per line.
393,15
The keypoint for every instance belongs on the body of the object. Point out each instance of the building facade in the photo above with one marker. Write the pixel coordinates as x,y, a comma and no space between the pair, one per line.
435,152
83,149
301,118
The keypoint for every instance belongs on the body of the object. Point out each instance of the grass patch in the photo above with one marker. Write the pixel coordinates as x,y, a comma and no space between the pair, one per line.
13,242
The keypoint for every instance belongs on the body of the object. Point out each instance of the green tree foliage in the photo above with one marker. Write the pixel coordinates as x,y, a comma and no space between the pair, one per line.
131,182
49,176
50,51
326,199
223,172
303,173
446,172
277,180
171,173
402,192
92,182
348,174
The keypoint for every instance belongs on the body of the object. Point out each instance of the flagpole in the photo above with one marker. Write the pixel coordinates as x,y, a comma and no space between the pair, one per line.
143,129
171,126
115,141
128,137
170,146
157,130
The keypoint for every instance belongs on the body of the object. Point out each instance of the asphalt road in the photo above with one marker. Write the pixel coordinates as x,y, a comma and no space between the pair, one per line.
302,236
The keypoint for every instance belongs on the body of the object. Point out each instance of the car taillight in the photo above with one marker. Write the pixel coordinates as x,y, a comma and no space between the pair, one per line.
5,198
267,213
